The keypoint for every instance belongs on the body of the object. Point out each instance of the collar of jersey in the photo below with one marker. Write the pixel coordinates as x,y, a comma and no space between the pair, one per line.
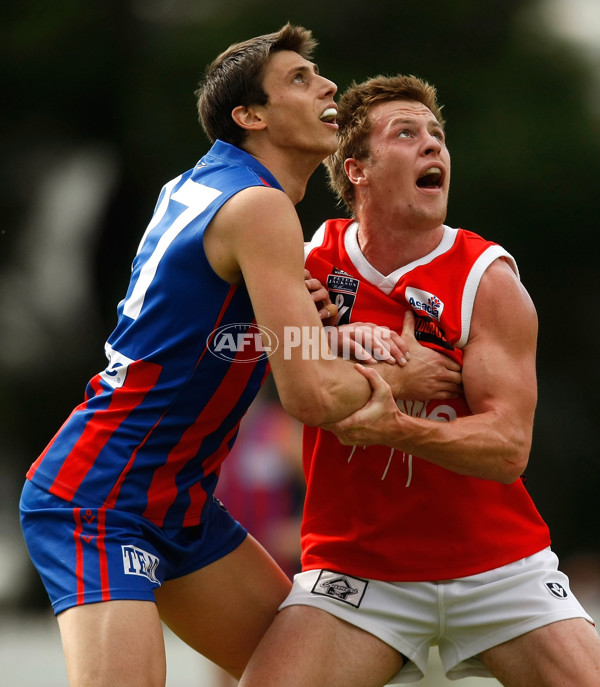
231,154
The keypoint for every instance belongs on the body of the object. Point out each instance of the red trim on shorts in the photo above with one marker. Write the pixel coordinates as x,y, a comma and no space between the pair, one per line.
102,558
78,555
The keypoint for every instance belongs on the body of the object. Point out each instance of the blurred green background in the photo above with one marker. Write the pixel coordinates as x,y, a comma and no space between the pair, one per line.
99,112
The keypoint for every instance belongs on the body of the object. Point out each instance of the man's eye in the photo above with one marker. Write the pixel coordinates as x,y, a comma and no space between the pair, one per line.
405,133
299,77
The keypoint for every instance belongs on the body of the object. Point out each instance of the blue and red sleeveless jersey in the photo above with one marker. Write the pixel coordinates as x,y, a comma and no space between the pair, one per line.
156,424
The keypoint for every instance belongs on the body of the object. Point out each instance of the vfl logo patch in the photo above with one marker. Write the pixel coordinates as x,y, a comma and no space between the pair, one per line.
139,562
557,590
425,301
345,588
342,291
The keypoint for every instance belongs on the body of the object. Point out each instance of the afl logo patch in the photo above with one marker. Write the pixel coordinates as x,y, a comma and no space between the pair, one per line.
556,590
242,342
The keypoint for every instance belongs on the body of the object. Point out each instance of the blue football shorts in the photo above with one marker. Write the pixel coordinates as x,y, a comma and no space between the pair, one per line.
86,555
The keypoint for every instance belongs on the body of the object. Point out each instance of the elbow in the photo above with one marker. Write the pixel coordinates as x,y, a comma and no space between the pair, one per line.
514,465
510,476
312,409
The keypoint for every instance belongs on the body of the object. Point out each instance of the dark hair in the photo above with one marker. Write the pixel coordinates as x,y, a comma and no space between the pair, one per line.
235,78
354,124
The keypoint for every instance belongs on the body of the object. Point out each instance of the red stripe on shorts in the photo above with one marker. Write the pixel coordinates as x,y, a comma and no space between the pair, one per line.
103,562
78,555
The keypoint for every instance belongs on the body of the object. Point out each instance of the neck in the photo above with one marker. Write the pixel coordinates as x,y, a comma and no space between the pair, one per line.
388,247
292,172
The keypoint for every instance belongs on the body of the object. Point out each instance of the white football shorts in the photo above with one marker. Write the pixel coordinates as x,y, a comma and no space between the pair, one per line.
463,617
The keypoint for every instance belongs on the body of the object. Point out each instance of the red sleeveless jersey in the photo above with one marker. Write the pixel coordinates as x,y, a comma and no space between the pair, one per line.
379,513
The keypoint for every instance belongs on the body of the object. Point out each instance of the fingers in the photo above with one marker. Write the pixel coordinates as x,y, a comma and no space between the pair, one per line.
331,309
376,381
408,326
383,344
342,344
398,348
445,394
328,311
355,351
453,366
320,297
317,291
367,338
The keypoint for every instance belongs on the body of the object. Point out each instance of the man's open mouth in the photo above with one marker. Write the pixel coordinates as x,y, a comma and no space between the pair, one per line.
329,115
431,178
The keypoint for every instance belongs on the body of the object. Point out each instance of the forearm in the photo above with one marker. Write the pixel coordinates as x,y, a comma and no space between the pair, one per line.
487,445
500,390
320,392
324,391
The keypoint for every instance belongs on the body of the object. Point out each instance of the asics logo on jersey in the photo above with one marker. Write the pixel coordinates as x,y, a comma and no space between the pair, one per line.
136,561
425,301
242,343
339,586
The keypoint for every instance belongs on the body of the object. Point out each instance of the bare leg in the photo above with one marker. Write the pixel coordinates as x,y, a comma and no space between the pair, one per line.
113,644
563,654
223,610
307,647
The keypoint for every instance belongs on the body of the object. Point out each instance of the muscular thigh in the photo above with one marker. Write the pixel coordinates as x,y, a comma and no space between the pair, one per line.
223,609
308,647
113,644
566,652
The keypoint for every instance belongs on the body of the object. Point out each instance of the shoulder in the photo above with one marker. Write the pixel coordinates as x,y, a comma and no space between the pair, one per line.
256,210
501,274
502,300
248,228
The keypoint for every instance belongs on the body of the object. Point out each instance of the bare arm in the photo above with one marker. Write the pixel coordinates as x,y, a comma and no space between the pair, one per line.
431,375
499,380
256,238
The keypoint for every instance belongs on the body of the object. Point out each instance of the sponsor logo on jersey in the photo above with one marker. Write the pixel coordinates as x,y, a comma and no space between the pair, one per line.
439,413
425,301
115,373
342,291
136,561
345,588
242,343
429,331
557,590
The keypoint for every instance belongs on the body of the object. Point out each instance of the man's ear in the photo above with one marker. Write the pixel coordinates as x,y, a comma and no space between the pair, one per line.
248,118
354,170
